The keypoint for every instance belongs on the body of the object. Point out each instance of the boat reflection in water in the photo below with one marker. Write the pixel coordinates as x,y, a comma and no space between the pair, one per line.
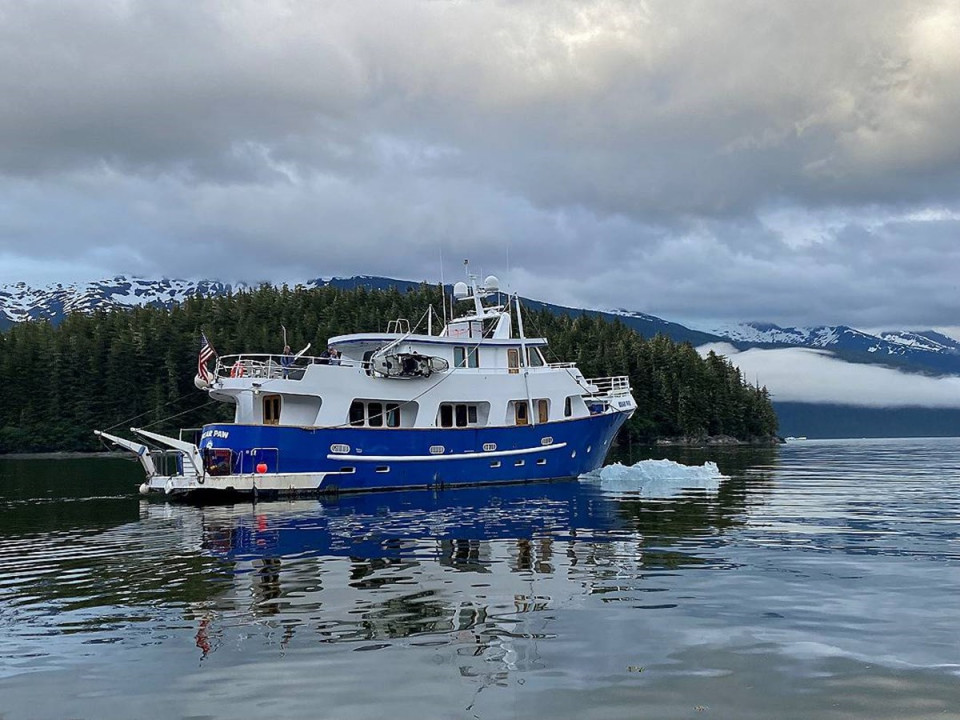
474,568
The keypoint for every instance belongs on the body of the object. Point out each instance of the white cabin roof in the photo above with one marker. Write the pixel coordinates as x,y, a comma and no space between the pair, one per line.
378,339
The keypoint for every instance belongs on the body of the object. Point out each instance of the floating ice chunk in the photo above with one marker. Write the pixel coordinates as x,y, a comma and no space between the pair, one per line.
657,478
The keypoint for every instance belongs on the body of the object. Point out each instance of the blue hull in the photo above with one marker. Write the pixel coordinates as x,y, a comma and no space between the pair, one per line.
363,458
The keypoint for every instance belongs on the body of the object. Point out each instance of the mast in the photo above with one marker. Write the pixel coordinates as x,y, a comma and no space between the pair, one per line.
523,360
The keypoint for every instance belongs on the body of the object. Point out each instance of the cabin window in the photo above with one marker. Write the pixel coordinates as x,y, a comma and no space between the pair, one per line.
458,414
520,410
356,413
393,415
271,409
534,358
374,413
446,415
513,360
542,408
465,357
568,407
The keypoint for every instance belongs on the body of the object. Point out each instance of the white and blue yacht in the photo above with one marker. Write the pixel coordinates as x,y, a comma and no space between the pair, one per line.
476,403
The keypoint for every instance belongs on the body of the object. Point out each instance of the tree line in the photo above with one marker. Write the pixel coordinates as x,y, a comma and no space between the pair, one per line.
122,368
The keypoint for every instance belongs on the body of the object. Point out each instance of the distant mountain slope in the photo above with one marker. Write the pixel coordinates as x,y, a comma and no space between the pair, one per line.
20,302
926,351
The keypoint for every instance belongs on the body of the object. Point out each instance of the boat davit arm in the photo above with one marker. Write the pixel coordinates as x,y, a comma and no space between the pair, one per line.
140,450
190,451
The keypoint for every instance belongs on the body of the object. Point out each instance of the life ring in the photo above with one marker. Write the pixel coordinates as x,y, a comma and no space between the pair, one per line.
237,370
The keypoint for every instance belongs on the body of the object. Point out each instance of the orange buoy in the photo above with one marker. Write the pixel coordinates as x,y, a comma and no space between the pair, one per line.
261,468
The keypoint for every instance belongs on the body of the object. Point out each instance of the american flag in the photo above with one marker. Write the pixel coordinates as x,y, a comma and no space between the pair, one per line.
206,352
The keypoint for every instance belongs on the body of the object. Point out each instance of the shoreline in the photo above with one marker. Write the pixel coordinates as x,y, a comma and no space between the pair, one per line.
718,441
64,455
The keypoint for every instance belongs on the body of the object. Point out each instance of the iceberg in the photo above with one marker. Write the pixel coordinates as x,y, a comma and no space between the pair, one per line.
657,478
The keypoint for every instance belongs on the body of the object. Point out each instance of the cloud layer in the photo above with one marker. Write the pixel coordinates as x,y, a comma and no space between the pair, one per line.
793,162
816,376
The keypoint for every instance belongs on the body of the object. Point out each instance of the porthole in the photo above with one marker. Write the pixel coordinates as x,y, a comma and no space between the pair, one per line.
542,461
347,470
495,464
519,463
383,468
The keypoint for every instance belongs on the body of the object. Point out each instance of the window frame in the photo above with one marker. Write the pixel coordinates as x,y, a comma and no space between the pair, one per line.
271,402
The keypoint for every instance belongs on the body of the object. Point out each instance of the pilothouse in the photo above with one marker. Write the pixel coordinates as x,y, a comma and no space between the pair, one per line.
475,403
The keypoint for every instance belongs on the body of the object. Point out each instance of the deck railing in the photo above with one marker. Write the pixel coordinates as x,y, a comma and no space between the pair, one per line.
273,366
261,365
610,386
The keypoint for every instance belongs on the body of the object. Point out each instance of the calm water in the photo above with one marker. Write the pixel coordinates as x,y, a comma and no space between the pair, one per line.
822,580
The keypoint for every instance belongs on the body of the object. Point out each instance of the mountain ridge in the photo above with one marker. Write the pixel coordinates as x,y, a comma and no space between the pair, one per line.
925,351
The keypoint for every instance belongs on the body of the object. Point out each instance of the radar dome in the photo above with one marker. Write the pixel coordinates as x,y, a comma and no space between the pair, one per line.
460,290
492,283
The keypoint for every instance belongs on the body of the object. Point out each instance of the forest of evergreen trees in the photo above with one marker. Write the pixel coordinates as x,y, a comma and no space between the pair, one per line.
136,367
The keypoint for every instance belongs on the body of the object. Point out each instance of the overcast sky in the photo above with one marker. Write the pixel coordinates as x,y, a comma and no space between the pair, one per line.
797,162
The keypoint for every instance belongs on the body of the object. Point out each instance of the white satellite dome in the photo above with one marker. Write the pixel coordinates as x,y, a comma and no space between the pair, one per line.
460,290
492,283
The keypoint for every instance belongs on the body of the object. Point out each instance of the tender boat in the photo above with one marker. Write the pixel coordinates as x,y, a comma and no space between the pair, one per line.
475,404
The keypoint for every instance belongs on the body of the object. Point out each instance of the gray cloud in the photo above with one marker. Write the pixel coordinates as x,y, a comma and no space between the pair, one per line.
816,376
790,162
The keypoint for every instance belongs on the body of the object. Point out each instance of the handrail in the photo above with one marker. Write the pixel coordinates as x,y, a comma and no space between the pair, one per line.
271,365
610,386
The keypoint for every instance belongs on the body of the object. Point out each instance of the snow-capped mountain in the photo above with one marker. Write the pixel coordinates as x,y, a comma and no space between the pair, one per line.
927,340
21,302
927,350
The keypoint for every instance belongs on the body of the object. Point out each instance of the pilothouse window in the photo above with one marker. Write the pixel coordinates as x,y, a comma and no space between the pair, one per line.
513,360
465,357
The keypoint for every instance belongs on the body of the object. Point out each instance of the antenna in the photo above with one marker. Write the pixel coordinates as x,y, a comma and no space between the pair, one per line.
443,288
